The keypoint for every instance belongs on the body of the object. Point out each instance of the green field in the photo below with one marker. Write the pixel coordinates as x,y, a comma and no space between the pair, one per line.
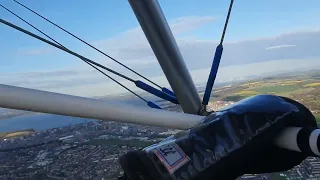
233,98
266,88
304,88
3,134
317,117
275,89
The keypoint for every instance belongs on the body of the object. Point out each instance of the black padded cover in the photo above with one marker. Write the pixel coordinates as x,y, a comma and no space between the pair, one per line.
229,143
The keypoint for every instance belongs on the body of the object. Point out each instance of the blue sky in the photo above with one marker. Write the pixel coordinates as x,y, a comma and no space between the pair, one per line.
110,24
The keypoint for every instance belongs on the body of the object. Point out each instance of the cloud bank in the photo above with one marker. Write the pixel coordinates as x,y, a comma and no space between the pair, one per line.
132,48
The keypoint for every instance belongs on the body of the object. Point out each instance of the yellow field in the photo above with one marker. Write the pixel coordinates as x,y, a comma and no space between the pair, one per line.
312,84
14,134
251,84
283,83
246,93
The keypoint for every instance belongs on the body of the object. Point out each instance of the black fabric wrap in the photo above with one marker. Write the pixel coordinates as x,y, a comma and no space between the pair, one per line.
229,143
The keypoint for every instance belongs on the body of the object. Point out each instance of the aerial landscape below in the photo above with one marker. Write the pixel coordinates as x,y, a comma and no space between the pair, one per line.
40,154
240,69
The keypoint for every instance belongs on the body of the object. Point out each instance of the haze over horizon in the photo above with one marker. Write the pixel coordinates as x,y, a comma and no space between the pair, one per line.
259,40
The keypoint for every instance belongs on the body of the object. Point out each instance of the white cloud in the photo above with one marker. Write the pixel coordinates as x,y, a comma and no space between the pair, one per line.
280,46
132,48
96,85
189,23
132,44
199,53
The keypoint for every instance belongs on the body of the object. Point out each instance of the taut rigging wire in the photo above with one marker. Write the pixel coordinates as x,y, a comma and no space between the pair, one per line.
58,45
138,83
56,25
164,94
216,61
86,60
51,43
31,25
226,22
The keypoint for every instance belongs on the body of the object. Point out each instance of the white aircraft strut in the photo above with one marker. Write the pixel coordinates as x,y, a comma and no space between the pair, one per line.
62,104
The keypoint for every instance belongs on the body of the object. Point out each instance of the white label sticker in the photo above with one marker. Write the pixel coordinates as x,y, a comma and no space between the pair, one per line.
171,156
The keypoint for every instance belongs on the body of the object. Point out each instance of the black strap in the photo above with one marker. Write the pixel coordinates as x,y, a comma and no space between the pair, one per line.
303,140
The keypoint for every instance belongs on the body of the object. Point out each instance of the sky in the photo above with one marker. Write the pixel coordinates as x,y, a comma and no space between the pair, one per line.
261,35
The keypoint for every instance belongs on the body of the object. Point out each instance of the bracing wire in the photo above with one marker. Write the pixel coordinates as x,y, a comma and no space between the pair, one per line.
138,83
226,22
165,93
56,25
61,47
58,44
30,25
216,61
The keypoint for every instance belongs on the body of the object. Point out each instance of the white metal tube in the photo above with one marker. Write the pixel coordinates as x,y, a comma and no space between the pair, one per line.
55,103
165,48
290,138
